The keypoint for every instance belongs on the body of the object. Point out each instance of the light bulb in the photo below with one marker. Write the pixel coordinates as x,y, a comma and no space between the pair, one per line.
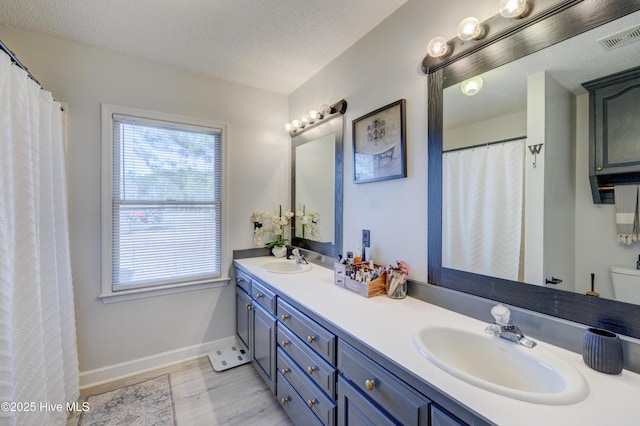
472,86
296,124
305,119
314,115
288,127
324,109
470,28
513,8
438,47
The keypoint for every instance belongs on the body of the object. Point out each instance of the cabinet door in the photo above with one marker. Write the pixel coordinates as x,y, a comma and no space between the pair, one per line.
617,127
355,409
243,317
264,344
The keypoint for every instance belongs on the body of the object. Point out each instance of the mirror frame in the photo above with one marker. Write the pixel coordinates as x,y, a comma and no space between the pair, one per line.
560,22
331,124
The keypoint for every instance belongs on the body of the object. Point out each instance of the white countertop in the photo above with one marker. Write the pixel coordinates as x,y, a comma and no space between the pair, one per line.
386,325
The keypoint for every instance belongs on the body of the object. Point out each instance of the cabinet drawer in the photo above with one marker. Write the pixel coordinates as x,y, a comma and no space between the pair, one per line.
315,336
265,297
243,281
316,368
321,404
401,401
294,405
355,409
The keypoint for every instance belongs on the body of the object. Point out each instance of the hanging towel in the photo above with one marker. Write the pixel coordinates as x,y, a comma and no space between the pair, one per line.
626,213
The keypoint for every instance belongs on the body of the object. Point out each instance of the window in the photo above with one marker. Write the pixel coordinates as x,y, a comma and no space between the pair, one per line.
162,201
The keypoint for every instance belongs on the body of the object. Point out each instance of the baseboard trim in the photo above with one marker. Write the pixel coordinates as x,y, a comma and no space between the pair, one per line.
141,365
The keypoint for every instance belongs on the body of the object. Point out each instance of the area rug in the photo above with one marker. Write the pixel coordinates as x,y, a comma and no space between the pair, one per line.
146,403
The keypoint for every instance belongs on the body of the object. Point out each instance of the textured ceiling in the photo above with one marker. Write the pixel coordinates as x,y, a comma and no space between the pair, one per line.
274,45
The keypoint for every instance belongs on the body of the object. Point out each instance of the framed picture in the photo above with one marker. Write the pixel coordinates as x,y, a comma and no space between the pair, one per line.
379,146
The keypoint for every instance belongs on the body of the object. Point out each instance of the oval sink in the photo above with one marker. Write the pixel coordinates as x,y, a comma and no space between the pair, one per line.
503,367
285,267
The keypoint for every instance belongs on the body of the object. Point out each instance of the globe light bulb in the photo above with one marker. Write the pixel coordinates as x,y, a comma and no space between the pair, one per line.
438,47
288,127
470,28
472,86
513,8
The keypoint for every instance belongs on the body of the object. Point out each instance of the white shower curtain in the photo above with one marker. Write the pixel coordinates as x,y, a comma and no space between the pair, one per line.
38,354
482,202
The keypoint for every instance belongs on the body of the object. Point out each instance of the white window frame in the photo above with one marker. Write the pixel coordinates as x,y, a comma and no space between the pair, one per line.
107,294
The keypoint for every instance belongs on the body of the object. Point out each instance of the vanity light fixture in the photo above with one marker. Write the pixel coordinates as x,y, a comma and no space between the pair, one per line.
513,8
438,47
470,29
472,86
314,116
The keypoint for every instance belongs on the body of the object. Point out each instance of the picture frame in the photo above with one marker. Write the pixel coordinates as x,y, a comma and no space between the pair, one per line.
379,145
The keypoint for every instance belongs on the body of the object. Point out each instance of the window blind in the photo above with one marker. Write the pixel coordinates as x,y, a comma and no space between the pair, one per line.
166,209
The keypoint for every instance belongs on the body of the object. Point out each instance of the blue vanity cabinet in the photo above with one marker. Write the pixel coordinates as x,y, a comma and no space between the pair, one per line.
306,361
256,324
243,308
264,332
381,388
320,379
244,318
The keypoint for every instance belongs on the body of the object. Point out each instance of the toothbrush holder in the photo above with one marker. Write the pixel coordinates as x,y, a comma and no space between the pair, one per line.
396,284
602,351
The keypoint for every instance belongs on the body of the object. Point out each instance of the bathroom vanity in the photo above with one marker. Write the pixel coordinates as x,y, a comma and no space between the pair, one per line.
334,357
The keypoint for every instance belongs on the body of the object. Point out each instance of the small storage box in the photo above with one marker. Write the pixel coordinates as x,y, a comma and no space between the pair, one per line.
372,288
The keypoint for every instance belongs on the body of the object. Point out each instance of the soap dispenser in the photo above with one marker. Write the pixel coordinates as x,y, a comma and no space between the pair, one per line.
638,264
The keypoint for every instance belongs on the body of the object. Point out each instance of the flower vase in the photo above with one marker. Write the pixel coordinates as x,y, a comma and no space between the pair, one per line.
279,251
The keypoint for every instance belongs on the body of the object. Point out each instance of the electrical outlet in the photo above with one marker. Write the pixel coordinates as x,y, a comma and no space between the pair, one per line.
366,238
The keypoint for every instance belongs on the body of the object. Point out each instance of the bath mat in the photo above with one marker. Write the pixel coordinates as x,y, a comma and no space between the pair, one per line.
146,403
229,356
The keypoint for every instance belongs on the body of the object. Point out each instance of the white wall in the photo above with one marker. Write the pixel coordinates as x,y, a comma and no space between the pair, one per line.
382,68
494,129
257,177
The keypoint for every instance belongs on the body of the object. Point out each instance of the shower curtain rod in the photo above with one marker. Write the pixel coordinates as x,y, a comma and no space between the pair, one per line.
17,62
486,144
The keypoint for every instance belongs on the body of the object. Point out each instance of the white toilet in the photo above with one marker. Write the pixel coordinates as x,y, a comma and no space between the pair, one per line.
626,284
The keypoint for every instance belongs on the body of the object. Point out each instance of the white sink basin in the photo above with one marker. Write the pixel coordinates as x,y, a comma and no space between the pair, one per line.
498,365
285,267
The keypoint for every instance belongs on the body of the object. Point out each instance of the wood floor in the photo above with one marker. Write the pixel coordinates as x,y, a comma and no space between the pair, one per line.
203,396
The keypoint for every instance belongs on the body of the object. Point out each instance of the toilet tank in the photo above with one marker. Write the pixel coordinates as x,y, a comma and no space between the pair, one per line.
626,284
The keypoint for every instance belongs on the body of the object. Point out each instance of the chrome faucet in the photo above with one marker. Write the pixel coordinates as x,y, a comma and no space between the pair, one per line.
299,258
504,328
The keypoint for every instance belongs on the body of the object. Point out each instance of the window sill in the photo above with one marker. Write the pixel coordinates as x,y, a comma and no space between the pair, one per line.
140,293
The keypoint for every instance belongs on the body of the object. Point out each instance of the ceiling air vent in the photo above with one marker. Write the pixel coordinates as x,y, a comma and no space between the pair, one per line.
620,39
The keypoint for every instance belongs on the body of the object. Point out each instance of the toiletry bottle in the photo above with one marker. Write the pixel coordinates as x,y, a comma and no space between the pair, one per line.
638,264
357,256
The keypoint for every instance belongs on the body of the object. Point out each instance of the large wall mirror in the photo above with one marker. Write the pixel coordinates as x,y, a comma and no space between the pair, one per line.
316,185
519,150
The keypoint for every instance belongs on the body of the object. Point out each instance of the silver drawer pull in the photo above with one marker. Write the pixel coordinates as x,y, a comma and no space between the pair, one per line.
284,343
284,317
370,384
310,339
258,296
248,305
310,370
312,402
284,371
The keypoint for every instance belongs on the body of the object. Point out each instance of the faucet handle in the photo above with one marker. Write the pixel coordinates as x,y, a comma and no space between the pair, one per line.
501,314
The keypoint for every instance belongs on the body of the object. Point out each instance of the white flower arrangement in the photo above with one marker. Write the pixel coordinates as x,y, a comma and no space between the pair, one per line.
275,225
308,223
